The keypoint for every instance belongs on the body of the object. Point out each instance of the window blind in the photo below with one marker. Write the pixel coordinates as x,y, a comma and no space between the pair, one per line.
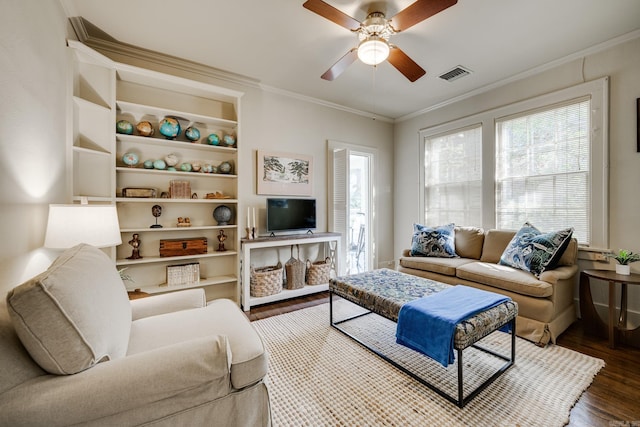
542,169
453,177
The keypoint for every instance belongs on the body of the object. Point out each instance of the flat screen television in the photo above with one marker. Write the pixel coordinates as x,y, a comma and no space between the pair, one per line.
291,215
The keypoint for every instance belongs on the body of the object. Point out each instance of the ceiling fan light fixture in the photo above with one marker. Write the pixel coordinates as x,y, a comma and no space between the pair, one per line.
373,50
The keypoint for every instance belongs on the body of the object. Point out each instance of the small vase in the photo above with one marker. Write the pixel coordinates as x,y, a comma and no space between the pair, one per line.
624,270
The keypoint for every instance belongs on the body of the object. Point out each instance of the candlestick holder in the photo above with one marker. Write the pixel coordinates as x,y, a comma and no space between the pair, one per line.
253,232
249,233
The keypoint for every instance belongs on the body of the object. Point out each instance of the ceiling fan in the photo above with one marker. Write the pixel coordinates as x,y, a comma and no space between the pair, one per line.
374,34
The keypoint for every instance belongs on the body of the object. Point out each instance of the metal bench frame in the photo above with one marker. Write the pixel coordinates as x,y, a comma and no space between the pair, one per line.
461,400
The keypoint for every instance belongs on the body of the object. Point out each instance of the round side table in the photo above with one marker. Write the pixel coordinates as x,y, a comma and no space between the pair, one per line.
616,329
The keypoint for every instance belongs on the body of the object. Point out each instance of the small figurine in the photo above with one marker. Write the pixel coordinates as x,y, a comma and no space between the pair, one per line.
221,238
135,243
184,222
156,210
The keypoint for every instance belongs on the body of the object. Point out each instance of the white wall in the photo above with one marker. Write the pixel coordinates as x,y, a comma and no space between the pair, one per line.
33,116
622,64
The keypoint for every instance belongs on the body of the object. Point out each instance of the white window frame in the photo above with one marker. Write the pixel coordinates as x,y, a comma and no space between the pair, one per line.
598,93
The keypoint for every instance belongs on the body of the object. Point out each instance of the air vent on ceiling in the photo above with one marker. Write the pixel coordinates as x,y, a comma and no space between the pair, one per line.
455,74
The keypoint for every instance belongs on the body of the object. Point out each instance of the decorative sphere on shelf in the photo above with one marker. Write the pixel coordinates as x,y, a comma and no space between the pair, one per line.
145,128
170,127
171,159
192,134
148,164
123,126
171,168
213,139
196,166
222,214
224,167
207,168
159,164
130,159
186,167
229,140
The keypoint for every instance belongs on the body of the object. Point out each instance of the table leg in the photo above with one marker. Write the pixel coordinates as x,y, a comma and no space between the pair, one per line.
622,321
612,315
592,321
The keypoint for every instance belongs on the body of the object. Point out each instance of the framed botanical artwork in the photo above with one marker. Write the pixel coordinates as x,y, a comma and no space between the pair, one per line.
284,174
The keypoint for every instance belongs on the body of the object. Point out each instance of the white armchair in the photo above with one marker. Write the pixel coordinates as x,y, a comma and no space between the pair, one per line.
75,350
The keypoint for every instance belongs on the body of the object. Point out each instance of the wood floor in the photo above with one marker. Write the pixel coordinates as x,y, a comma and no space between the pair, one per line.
612,400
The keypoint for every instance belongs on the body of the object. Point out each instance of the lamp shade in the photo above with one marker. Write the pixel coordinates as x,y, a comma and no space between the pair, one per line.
373,50
69,225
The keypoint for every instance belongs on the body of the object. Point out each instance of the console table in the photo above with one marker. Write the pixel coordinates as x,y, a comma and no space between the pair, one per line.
616,329
331,243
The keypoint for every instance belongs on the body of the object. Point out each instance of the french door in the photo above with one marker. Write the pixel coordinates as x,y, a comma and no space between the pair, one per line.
351,203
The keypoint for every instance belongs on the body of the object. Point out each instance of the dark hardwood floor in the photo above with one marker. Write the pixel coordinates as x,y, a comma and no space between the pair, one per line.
612,400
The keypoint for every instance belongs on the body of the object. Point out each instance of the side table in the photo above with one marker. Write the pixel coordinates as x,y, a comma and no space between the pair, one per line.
616,329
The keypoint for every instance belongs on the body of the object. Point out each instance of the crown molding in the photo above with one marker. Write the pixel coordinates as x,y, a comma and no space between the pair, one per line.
528,73
97,39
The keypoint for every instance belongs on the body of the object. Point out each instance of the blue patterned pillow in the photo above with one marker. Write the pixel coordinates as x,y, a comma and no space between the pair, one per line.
533,251
433,241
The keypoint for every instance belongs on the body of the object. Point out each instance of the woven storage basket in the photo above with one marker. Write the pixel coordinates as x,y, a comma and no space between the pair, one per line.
318,272
265,281
294,269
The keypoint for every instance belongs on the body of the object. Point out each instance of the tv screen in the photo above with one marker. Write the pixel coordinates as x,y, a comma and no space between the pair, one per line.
291,214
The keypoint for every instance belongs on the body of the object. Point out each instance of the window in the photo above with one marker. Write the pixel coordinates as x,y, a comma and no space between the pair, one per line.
542,160
542,169
453,177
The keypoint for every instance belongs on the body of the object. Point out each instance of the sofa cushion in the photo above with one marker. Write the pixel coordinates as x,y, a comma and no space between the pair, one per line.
433,241
495,242
73,315
469,241
446,266
505,277
534,251
249,358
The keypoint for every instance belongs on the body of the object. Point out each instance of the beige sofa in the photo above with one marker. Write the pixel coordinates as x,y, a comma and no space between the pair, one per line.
545,304
75,351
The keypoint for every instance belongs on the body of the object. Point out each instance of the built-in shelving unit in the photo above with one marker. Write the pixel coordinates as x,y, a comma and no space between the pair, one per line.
105,92
330,241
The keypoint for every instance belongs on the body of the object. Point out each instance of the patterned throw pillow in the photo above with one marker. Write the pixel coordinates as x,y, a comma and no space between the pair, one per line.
433,241
534,251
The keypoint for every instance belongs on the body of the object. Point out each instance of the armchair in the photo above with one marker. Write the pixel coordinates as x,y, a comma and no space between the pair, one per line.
75,350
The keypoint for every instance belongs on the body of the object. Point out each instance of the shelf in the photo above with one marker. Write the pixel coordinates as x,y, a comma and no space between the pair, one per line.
158,259
216,280
163,142
160,200
138,109
83,103
93,199
124,169
201,227
289,293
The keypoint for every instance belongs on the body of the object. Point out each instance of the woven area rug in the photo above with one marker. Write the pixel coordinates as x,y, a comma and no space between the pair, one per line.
320,377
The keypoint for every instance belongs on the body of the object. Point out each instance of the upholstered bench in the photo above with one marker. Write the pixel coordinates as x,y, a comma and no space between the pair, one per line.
385,291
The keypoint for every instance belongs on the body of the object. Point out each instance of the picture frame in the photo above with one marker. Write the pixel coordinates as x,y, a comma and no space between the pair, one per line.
284,174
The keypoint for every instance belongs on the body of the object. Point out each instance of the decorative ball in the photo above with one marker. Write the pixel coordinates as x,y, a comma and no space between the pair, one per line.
123,126
186,167
171,159
222,214
192,134
196,166
229,140
130,159
224,167
171,168
145,128
207,168
148,164
159,164
170,127
213,139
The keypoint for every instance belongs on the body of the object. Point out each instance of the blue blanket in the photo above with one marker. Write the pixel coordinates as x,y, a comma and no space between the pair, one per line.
428,324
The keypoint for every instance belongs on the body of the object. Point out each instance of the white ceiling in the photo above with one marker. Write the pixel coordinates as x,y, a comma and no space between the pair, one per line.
286,47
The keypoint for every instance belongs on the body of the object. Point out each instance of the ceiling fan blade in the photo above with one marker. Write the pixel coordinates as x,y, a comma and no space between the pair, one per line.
418,12
405,65
332,14
342,64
